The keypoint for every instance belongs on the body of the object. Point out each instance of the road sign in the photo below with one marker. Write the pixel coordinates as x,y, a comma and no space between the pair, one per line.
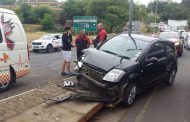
88,23
153,25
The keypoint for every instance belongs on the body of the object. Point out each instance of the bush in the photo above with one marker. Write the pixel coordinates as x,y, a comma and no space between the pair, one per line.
47,22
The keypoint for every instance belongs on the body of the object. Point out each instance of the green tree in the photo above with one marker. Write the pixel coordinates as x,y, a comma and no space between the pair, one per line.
47,22
40,11
169,10
27,14
72,8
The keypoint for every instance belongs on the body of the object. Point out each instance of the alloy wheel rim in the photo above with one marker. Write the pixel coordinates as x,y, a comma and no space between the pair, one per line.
132,95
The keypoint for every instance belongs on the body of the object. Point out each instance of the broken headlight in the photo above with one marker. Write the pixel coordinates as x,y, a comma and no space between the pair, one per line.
79,64
114,75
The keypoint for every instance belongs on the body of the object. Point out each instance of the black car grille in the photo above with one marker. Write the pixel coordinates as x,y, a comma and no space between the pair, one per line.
36,43
93,73
96,74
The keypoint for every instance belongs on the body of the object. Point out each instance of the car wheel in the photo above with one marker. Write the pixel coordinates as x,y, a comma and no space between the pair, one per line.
180,53
130,94
7,85
49,48
172,74
187,47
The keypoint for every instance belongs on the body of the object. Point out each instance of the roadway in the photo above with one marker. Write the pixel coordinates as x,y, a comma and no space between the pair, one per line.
161,104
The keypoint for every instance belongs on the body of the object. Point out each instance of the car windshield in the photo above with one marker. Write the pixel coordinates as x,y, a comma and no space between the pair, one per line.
124,46
46,37
166,35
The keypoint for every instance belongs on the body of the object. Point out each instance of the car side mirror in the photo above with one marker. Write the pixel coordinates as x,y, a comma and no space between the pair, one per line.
152,60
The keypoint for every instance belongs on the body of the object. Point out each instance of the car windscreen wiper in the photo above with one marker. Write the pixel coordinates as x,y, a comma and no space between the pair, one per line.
107,51
126,57
133,49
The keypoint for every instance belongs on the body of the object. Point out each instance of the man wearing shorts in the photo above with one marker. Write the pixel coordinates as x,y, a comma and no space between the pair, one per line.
66,49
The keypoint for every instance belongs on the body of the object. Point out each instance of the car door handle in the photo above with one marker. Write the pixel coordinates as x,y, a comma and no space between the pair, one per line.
149,64
161,59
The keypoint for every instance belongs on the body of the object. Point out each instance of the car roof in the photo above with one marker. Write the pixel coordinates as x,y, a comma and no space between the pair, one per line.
2,10
141,37
54,34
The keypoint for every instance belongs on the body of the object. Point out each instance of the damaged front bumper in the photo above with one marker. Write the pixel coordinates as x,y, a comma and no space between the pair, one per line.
93,90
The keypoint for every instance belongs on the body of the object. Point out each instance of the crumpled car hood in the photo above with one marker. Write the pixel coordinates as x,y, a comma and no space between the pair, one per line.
106,61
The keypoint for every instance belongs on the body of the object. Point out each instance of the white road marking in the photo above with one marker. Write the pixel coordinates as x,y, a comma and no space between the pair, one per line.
140,117
17,95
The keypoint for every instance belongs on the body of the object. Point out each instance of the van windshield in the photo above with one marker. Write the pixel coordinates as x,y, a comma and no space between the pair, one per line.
47,37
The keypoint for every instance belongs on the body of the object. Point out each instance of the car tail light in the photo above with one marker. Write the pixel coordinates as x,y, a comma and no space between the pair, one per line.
28,52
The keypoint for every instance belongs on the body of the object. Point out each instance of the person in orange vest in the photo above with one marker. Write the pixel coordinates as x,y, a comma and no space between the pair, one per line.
82,42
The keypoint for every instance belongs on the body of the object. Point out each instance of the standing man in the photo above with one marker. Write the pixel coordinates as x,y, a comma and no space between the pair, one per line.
66,49
82,42
101,36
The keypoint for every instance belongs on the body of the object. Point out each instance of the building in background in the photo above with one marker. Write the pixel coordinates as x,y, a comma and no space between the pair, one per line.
178,24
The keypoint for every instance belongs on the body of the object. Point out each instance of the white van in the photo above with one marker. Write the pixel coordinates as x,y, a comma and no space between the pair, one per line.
14,56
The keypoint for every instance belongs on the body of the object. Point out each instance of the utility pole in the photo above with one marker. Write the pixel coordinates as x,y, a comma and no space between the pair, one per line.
156,12
130,17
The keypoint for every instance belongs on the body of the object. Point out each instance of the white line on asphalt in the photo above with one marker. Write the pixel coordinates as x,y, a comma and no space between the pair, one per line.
17,95
140,117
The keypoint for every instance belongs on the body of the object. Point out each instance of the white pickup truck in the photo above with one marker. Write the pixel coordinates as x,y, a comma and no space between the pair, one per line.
48,43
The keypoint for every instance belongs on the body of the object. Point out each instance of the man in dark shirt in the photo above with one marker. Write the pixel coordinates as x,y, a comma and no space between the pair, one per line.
66,49
101,36
82,42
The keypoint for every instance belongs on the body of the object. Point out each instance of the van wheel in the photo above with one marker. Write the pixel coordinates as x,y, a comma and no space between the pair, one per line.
6,86
130,94
49,48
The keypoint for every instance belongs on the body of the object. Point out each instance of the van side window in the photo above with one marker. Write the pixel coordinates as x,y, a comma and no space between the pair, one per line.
1,38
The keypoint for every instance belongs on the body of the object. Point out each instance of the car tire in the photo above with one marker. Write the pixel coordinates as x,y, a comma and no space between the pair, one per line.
49,48
172,74
35,50
187,47
130,94
6,86
180,53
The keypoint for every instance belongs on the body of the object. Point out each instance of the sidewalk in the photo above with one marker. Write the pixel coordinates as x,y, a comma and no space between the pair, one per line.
18,104
31,107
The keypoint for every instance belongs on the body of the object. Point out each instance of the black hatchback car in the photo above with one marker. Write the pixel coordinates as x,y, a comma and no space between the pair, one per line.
123,66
